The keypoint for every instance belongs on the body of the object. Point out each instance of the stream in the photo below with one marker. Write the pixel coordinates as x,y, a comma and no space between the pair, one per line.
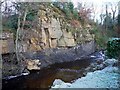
67,71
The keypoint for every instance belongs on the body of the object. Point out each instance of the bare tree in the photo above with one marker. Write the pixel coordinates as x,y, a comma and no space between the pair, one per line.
113,9
93,11
118,19
0,47
102,15
22,13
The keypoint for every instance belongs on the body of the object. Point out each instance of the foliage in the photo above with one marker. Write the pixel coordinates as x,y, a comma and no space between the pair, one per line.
113,48
118,30
75,14
100,37
119,19
71,7
67,8
75,23
10,23
84,14
67,12
108,22
31,16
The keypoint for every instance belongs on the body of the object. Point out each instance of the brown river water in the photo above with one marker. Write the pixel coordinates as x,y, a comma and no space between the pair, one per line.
67,71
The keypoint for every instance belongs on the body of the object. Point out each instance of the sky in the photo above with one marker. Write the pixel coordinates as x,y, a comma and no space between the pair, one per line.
99,6
95,2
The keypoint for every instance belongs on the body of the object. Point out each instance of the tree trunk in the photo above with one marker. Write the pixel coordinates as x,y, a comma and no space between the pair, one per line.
0,48
17,37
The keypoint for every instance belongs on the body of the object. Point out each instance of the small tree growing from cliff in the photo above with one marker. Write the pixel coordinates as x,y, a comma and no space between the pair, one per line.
24,15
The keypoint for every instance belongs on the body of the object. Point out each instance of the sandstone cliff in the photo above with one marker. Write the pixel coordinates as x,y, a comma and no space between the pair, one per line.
53,39
53,30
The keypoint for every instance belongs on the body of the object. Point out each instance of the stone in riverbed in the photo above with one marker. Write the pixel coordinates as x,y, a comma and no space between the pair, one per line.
33,64
59,84
110,62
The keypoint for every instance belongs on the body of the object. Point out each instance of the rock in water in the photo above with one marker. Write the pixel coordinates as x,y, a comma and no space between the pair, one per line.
110,62
33,64
60,84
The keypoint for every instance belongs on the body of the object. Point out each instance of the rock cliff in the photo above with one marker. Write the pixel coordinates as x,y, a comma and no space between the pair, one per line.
53,30
7,42
48,41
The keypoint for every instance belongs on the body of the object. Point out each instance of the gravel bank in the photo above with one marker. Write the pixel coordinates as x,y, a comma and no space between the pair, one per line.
106,78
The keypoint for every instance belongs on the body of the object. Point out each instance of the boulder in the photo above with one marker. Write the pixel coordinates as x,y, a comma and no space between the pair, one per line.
59,83
33,64
110,62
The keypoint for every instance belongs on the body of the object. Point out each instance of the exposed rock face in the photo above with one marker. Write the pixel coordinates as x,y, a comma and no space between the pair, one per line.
48,42
7,42
53,31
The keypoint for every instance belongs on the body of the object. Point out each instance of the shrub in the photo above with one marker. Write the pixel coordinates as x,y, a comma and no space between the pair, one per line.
100,38
113,48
